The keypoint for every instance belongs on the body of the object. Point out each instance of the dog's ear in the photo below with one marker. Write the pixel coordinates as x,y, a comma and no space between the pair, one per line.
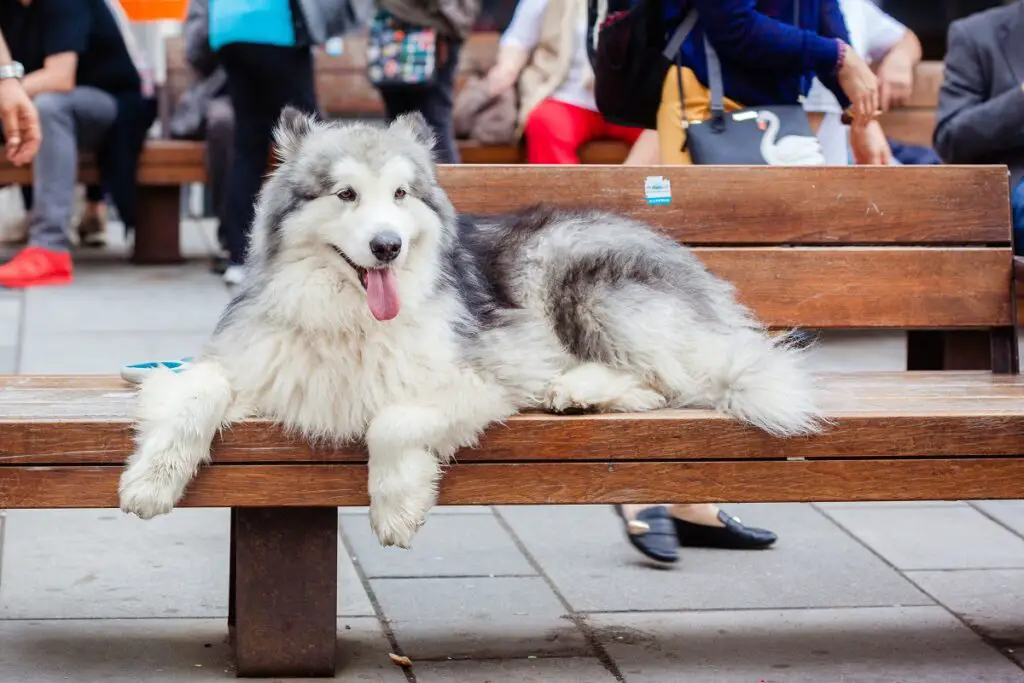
292,128
415,126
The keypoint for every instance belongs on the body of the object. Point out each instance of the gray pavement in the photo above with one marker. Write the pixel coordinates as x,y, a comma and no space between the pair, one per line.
868,593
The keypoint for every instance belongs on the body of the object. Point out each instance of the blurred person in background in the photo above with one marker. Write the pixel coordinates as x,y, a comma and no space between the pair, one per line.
452,21
765,60
895,52
18,117
85,85
265,47
205,113
544,51
980,119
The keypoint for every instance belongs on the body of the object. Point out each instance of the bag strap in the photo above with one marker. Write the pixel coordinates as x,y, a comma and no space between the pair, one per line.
675,43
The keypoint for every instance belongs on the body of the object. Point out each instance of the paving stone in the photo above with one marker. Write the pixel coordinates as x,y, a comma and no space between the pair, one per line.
858,645
933,538
1008,512
352,598
8,360
894,504
10,321
990,600
447,545
162,651
539,670
77,564
478,618
436,510
585,551
142,306
103,352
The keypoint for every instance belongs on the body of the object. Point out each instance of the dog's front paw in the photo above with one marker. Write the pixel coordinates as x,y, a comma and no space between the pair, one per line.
146,494
394,525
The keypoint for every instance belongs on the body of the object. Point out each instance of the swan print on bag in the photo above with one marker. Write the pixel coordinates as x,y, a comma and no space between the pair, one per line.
791,150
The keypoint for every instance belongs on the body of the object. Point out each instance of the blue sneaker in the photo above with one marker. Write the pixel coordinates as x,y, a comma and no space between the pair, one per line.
137,372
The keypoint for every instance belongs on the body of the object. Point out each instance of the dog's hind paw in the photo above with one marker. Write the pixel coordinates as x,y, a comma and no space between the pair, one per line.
144,495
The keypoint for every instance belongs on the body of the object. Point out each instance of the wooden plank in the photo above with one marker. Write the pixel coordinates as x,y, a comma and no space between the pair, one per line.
903,288
286,588
943,414
753,205
550,483
162,163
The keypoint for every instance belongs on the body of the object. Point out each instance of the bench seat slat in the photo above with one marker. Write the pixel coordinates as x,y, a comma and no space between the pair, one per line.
87,421
549,483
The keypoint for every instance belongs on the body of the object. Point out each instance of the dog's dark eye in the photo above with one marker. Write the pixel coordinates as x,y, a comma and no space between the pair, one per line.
347,195
400,193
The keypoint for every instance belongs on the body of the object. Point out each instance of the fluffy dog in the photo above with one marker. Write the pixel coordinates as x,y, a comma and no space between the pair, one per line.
373,312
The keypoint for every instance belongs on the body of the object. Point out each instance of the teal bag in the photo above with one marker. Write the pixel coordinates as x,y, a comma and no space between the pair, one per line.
265,22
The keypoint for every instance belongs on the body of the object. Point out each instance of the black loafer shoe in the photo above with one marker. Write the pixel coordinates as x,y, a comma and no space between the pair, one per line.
652,533
733,536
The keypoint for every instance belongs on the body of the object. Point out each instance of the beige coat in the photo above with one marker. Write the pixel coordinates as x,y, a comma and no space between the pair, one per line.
550,61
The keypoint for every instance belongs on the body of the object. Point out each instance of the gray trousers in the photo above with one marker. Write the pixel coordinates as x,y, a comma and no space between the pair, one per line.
71,121
220,149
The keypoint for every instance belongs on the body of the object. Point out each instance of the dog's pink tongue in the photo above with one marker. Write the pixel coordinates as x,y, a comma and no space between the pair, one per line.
382,293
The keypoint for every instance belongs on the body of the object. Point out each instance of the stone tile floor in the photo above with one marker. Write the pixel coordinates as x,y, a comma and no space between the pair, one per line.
868,593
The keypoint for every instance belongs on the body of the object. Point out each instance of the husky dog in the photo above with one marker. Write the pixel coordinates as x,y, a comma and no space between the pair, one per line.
371,311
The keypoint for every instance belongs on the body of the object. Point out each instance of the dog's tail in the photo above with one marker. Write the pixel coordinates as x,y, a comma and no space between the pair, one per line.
763,381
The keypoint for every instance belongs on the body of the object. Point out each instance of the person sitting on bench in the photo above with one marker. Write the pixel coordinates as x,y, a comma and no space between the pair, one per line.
77,64
980,119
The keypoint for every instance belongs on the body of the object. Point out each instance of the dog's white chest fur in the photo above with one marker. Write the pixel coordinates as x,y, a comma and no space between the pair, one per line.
331,386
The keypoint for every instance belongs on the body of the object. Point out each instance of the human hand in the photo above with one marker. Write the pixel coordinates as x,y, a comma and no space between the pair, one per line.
870,146
895,81
500,78
860,85
20,122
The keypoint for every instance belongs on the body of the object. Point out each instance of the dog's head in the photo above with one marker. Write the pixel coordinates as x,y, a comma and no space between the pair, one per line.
355,205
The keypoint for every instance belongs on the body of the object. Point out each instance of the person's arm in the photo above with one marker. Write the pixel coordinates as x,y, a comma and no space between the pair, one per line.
894,49
18,116
197,38
57,75
970,127
517,43
737,29
66,25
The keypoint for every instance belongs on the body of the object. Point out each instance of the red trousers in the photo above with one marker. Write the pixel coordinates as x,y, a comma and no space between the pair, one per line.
556,130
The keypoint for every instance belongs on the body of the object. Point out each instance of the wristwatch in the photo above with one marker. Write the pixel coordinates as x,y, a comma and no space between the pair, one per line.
12,70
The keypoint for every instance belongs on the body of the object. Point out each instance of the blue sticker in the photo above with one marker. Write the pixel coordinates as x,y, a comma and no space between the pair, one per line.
657,190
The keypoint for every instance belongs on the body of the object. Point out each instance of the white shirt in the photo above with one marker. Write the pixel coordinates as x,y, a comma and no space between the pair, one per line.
524,32
872,34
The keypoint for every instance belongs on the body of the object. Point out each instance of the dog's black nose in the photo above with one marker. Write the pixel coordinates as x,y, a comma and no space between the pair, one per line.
386,245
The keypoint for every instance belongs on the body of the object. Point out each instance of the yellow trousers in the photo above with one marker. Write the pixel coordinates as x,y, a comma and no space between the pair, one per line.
672,113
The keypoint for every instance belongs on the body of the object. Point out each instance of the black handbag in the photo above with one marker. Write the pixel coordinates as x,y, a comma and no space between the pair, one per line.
630,60
775,135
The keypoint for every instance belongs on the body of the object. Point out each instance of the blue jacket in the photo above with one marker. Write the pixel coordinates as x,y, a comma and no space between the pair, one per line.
765,58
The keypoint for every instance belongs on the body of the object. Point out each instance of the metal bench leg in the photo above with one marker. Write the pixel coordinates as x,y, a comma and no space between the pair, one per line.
158,234
285,591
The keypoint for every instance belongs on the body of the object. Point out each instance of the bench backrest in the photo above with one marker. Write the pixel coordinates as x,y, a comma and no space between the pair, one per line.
825,248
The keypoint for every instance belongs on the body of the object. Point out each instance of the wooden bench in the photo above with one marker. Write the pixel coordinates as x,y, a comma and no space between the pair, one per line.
919,249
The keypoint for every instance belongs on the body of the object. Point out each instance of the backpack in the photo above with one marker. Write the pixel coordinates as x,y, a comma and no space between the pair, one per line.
626,42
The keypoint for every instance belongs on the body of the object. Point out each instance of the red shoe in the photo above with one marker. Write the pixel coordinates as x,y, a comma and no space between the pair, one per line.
34,266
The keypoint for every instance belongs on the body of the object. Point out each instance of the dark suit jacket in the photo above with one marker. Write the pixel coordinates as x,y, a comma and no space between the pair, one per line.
981,105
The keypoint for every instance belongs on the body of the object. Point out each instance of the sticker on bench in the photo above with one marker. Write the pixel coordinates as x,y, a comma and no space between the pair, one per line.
657,190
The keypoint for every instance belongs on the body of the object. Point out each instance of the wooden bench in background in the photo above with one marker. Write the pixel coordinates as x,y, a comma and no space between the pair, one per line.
920,249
